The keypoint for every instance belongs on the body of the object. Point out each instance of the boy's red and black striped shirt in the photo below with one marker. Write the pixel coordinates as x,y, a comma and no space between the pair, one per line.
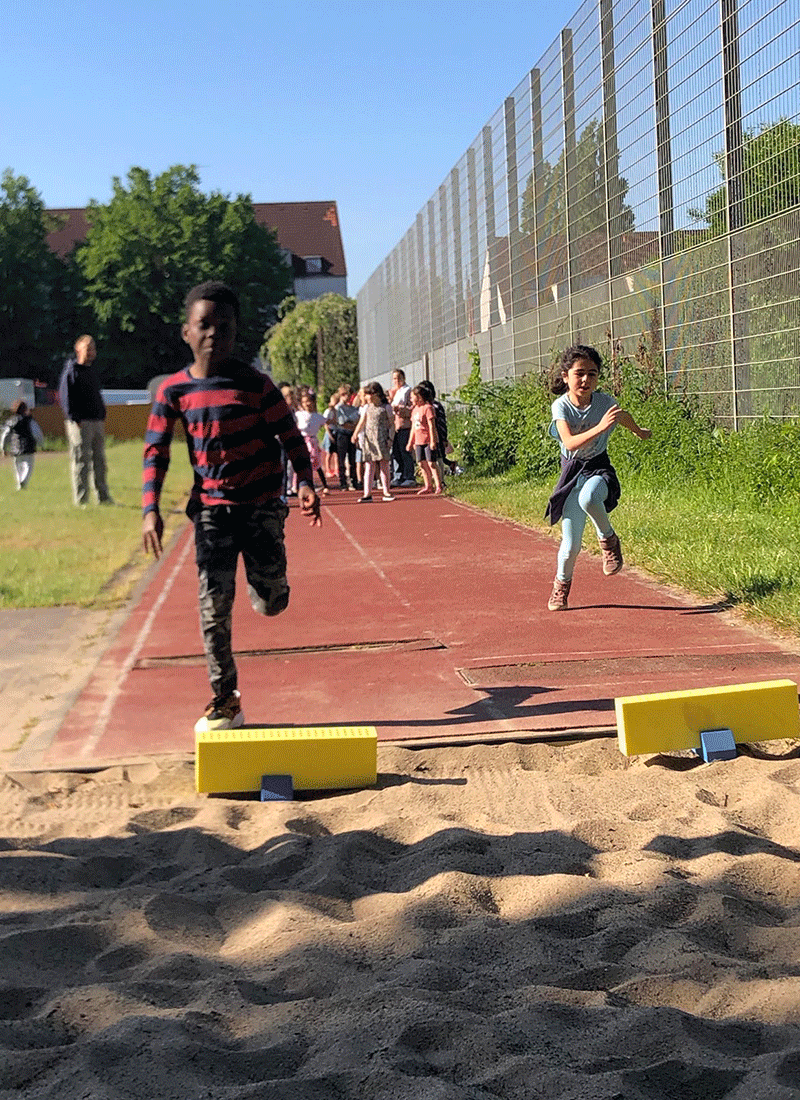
235,423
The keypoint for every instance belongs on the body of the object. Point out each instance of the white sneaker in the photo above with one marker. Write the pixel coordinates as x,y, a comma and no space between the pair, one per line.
225,714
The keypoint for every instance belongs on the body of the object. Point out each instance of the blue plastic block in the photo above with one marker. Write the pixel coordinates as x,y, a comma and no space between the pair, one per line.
717,745
277,788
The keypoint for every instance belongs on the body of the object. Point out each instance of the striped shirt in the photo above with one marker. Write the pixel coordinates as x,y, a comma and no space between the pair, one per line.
233,421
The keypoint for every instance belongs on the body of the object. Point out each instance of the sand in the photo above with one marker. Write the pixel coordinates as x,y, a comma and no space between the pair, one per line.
513,921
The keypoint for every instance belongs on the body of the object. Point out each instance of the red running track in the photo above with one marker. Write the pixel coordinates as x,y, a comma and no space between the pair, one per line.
422,617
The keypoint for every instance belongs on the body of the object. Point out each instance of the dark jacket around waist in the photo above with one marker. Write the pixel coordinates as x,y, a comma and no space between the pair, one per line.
571,470
79,392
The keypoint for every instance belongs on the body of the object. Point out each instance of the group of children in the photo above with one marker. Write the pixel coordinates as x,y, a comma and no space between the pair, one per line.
370,427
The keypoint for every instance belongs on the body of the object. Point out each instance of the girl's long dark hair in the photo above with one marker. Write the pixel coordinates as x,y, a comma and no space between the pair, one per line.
571,355
377,389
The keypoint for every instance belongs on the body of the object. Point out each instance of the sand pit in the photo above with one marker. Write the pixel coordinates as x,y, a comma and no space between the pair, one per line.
514,921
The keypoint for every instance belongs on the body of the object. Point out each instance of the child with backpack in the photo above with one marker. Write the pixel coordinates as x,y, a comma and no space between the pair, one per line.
21,436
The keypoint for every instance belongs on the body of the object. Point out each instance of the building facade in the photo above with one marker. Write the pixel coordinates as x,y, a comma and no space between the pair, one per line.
639,188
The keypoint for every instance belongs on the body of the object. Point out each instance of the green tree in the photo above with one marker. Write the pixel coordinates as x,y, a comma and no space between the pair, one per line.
290,346
338,342
155,239
315,344
33,285
769,182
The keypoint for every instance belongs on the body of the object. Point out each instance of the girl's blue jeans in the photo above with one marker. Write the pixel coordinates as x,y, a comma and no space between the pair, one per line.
586,499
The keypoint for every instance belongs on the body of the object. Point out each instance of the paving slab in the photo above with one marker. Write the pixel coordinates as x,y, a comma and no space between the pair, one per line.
423,617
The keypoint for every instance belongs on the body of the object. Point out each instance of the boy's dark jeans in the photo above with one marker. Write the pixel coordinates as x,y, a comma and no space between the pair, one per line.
221,534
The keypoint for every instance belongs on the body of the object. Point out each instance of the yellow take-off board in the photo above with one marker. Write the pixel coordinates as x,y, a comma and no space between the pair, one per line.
317,758
672,720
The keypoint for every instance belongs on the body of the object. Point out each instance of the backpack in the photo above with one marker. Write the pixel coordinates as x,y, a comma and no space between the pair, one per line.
21,437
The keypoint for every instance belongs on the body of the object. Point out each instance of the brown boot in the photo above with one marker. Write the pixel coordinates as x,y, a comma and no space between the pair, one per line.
558,598
612,555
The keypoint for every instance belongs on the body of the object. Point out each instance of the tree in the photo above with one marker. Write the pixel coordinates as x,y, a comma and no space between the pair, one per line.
33,284
338,344
769,181
315,344
290,346
155,239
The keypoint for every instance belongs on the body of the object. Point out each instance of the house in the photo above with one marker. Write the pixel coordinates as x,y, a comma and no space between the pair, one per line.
308,233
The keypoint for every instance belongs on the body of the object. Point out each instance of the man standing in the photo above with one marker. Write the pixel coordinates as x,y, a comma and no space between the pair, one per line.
402,461
85,422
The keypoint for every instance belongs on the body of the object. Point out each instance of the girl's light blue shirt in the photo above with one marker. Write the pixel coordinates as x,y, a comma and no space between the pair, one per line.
580,420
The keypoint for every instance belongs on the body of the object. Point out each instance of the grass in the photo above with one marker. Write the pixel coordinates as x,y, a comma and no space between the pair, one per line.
55,554
733,553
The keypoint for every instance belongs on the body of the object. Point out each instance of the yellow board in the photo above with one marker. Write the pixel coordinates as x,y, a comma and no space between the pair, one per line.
672,720
320,758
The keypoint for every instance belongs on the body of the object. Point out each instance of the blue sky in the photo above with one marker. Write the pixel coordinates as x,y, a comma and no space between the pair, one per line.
368,103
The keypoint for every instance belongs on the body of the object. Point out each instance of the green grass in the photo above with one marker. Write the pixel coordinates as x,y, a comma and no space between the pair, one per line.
727,550
55,554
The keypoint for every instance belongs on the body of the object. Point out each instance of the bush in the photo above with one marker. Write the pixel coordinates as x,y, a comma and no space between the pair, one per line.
759,462
506,425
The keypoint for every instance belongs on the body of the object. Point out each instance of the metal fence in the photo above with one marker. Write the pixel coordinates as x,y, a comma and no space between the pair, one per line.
641,184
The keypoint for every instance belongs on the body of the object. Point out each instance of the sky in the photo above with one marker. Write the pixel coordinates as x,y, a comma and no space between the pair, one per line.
366,103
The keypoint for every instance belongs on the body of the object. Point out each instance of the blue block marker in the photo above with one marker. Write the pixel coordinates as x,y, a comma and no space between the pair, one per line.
717,745
277,788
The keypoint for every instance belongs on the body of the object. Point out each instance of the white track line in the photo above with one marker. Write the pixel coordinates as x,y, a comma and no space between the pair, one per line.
103,718
354,542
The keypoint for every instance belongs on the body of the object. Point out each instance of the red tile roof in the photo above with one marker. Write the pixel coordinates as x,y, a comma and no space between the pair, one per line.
73,228
304,228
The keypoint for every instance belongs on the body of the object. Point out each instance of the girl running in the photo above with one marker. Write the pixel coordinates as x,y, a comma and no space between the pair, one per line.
583,419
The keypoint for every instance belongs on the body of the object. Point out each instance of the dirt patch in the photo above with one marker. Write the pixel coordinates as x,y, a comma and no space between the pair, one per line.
46,657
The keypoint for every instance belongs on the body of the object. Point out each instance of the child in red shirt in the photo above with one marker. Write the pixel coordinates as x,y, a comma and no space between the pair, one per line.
423,441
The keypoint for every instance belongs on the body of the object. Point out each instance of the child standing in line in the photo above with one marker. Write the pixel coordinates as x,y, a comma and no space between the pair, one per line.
21,435
329,439
376,422
358,402
309,421
444,447
423,440
583,419
235,421
289,394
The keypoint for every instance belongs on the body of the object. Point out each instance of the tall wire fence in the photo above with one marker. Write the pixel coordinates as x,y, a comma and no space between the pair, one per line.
641,185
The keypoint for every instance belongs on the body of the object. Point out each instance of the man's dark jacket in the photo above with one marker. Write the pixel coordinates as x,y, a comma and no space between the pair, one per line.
79,392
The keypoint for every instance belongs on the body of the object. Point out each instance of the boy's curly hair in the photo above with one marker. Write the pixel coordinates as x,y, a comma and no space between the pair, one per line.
213,291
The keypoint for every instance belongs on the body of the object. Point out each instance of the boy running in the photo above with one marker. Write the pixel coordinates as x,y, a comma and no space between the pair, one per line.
233,418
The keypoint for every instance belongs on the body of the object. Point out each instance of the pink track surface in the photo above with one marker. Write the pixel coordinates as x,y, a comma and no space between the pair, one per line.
422,617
